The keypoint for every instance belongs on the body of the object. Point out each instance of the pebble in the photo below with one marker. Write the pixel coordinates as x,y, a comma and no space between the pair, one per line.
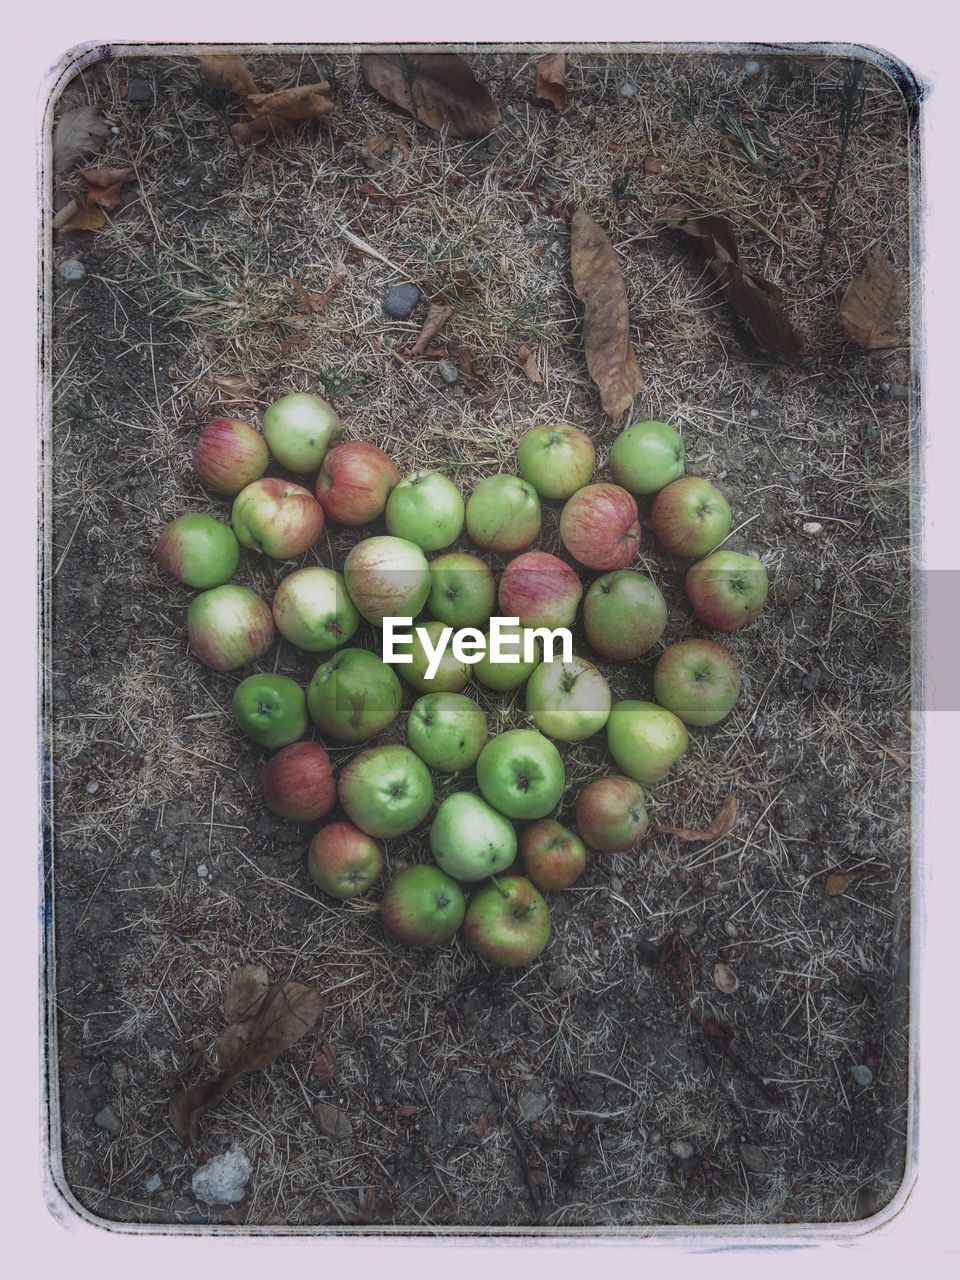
139,90
681,1149
532,1103
108,1120
449,372
812,528
202,871
753,1158
562,977
751,68
628,90
730,929
332,1122
92,787
862,1074
223,1180
71,270
616,884
153,1184
400,300
754,413
793,478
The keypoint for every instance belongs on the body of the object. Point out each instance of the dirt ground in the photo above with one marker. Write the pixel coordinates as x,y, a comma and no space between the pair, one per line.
578,1091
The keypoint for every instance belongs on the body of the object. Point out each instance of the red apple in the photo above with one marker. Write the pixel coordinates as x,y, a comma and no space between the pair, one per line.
343,860
690,517
355,481
727,590
276,517
611,816
229,455
600,527
229,627
698,680
541,590
552,856
297,782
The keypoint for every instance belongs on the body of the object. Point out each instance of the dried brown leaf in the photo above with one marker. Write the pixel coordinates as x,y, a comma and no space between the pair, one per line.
873,303
550,83
80,132
257,130
325,1065
374,151
446,93
598,281
528,363
838,882
245,991
235,387
721,825
652,164
105,186
304,102
85,217
482,1125
437,316
228,69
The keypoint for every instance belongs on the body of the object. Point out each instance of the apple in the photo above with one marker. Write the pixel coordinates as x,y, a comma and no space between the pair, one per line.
297,783
600,527
198,550
313,611
568,700
386,791
462,590
624,614
276,517
353,695
501,676
270,709
229,455
541,590
552,856
469,839
447,731
229,627
556,459
727,590
698,680
645,740
507,922
426,508
646,456
422,907
690,517
343,861
611,816
451,676
520,772
503,513
354,482
387,577
299,429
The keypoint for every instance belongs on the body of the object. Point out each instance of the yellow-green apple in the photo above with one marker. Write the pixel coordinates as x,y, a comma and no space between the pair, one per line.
198,550
568,700
447,731
501,676
426,508
645,740
229,627
462,590
469,839
690,517
387,577
299,429
353,695
698,680
354,482
646,456
600,527
520,772
556,459
507,922
611,816
624,614
540,589
229,455
312,609
503,513
552,856
422,907
727,590
343,861
271,709
297,783
281,519
450,674
386,791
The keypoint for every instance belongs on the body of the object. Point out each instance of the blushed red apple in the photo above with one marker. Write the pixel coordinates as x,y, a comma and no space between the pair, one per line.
611,816
541,590
229,455
727,590
343,861
600,527
297,783
690,517
355,481
552,856
229,627
281,519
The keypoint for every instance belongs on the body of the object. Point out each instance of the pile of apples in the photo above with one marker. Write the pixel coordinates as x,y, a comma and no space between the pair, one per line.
387,791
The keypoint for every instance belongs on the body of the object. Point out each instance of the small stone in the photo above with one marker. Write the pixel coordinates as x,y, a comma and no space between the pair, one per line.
681,1149
449,371
562,977
628,90
108,1120
400,300
616,884
153,1184
811,681
223,1180
862,1074
532,1103
812,527
332,1122
793,478
93,786
754,1158
202,871
730,929
754,413
751,68
139,90
71,270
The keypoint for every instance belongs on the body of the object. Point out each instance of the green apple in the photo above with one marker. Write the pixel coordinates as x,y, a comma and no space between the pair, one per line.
520,772
690,517
462,590
645,740
503,513
611,814
469,839
422,907
270,709
646,456
426,508
386,791
727,590
447,731
507,922
698,680
313,611
299,429
353,695
343,861
624,614
229,626
387,577
568,700
501,676
451,675
557,459
199,551
552,856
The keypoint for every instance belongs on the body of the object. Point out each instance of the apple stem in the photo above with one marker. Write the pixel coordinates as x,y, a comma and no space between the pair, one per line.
499,888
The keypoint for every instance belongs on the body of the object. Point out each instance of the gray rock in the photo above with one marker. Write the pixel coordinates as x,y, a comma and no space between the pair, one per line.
682,1149
448,371
754,1158
751,68
532,1103
71,270
139,90
153,1184
92,787
332,1122
400,300
223,1180
628,90
108,1120
562,977
862,1074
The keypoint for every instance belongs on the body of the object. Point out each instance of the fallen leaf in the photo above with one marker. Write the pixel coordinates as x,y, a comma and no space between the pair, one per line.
315,302
82,217
480,1128
79,133
446,94
598,282
333,1122
105,186
296,342
838,882
234,386
375,149
437,316
652,164
895,755
228,69
724,979
245,992
721,825
325,1065
301,103
873,303
550,83
528,363
257,130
